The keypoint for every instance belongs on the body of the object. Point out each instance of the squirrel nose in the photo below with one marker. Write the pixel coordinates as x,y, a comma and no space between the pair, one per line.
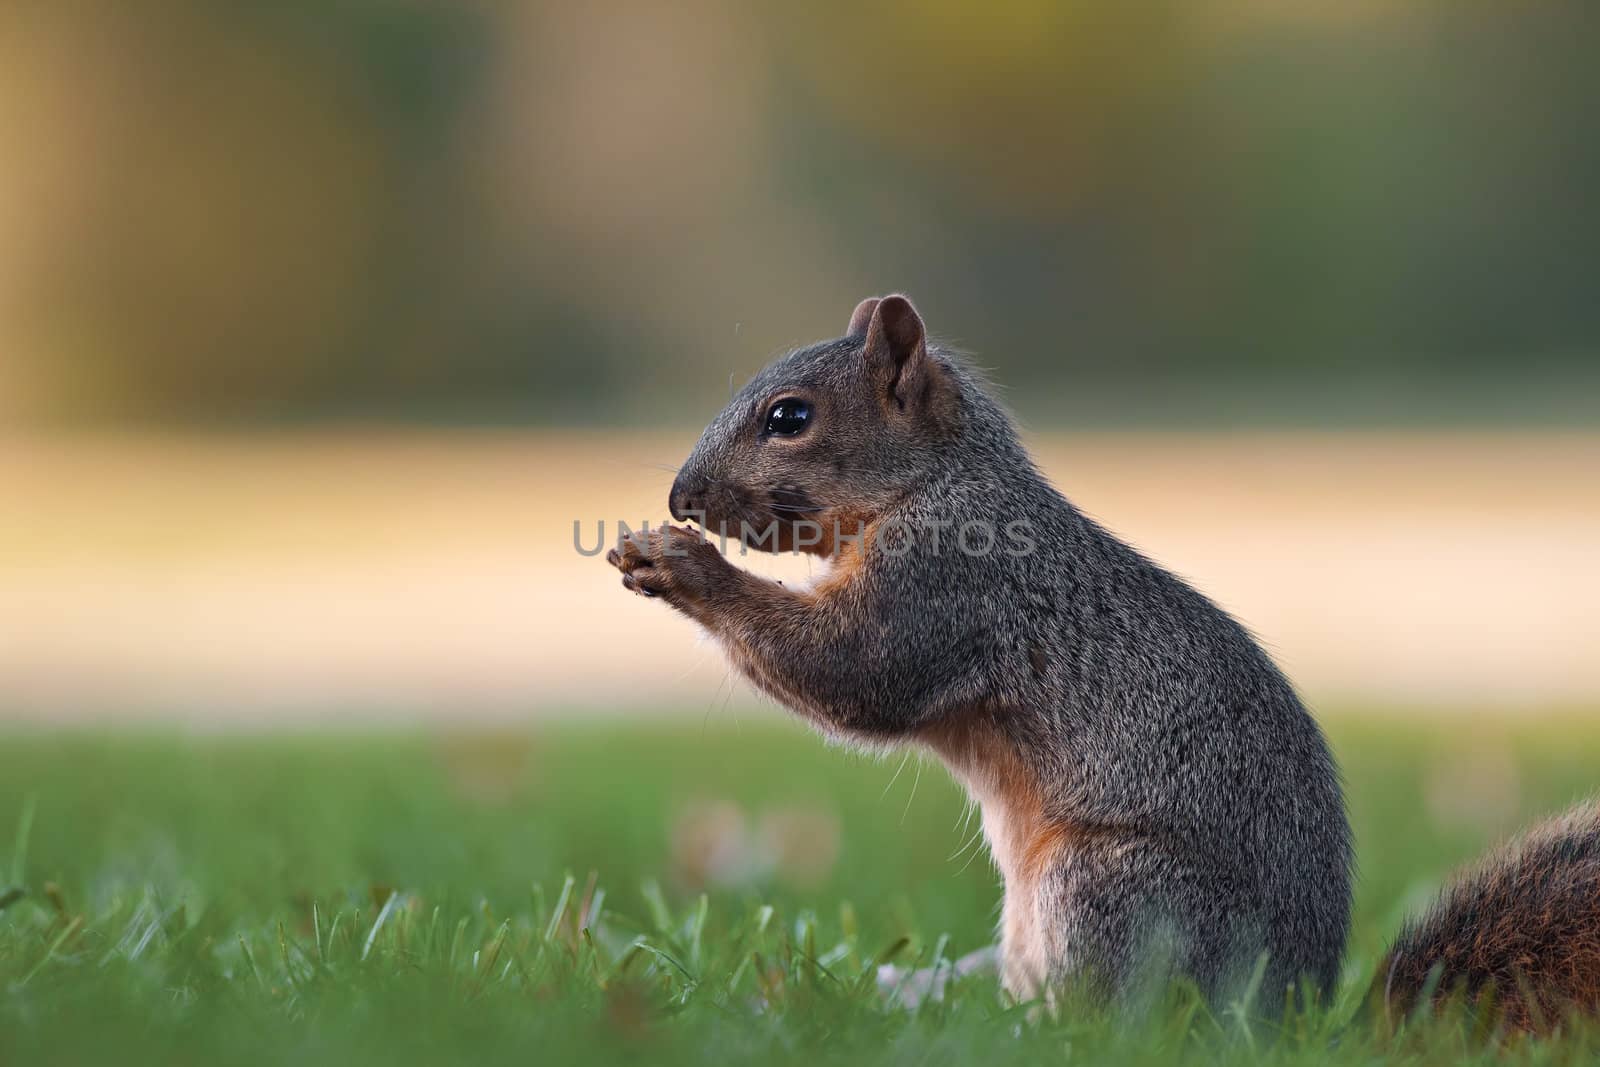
687,497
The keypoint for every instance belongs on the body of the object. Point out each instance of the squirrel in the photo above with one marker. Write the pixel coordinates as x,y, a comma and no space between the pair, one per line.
1157,800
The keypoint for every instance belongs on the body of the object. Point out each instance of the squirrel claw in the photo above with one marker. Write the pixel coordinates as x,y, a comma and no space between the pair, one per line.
633,584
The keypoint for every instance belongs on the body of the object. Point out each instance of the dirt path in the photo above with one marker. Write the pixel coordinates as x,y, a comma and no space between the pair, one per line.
259,579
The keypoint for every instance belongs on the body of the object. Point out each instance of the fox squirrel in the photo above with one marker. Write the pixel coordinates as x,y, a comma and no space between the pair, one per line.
1152,791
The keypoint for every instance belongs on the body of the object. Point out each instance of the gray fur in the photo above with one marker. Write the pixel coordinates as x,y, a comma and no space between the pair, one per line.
1146,714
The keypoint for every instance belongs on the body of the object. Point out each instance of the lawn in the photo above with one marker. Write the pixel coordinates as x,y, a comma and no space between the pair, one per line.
716,891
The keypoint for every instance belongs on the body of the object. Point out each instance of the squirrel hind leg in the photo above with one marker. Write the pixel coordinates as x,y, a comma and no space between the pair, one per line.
1518,934
1122,920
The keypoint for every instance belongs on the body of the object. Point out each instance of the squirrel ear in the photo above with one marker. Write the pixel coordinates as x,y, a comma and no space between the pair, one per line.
896,350
861,316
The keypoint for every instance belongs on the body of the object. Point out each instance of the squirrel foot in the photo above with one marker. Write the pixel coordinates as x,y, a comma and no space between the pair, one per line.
673,562
906,988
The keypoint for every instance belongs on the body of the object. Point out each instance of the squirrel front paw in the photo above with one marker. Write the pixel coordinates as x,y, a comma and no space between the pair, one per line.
672,562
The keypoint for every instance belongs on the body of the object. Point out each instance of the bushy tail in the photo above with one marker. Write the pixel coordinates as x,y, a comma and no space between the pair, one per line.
1520,932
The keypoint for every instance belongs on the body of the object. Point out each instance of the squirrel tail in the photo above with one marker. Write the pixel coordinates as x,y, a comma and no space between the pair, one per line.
1518,934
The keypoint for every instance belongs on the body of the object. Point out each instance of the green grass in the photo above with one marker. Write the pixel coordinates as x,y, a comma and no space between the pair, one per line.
540,896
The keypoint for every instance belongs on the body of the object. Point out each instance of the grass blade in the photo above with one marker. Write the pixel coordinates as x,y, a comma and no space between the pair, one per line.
55,946
560,910
384,912
19,848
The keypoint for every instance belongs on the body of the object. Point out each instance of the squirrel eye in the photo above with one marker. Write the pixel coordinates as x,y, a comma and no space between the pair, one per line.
788,417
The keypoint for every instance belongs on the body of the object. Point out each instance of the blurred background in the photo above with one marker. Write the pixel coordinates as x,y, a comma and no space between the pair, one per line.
322,322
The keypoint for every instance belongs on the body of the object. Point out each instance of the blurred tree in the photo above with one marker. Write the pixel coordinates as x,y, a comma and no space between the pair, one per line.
236,210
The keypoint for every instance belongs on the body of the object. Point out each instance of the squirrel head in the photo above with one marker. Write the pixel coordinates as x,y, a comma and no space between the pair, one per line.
826,438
